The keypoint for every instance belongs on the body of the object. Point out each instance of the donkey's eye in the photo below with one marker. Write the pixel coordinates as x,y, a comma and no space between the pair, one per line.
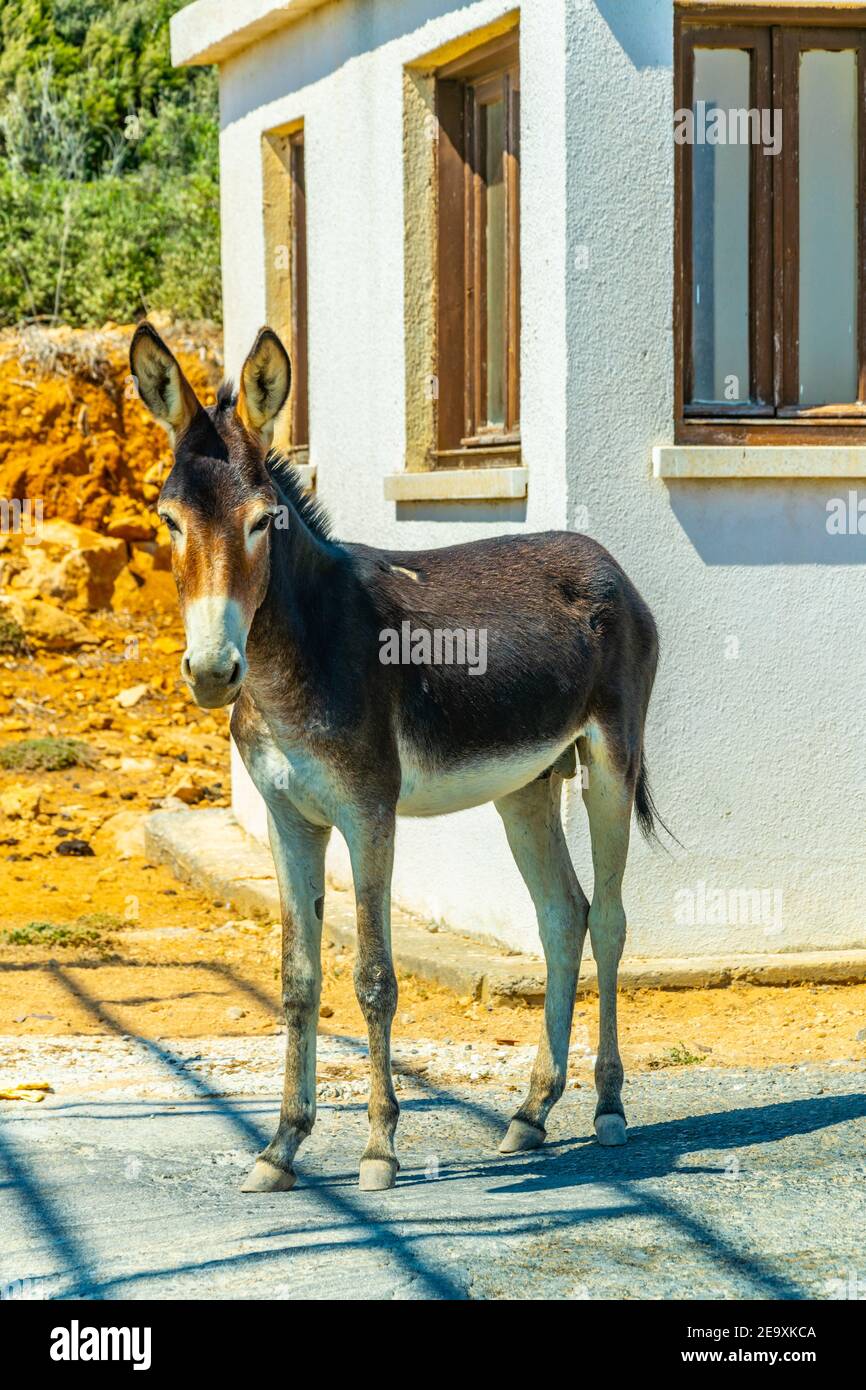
262,524
171,524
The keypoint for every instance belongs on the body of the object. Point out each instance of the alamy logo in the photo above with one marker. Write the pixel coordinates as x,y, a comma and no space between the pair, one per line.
29,1288
436,646
852,1287
729,907
712,125
21,516
77,1343
846,516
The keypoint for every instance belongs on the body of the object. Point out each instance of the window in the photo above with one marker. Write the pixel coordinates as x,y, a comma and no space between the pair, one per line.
478,263
285,202
770,328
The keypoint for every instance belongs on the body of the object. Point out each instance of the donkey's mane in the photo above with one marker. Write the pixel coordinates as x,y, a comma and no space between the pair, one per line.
226,397
286,481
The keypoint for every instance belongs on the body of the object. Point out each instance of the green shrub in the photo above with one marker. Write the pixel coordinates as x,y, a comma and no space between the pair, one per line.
12,639
678,1056
109,194
132,244
45,754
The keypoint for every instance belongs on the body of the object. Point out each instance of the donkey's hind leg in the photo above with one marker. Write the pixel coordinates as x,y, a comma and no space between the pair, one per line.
608,795
534,829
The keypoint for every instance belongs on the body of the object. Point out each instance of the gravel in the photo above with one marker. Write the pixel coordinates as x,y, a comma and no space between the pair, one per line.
124,1183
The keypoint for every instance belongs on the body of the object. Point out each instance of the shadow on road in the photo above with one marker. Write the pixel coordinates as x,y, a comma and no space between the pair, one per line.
654,1151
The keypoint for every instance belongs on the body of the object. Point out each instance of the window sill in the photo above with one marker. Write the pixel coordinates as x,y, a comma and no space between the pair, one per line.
458,485
759,461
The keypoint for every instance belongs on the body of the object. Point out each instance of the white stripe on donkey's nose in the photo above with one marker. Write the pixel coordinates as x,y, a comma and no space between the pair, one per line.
214,664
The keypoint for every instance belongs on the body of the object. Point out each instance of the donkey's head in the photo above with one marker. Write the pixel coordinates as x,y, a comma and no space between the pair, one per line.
217,502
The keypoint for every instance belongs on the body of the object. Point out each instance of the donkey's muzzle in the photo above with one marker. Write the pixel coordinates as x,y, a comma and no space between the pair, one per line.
214,681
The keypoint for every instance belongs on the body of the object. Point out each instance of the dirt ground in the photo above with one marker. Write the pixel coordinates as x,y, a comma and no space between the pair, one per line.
130,949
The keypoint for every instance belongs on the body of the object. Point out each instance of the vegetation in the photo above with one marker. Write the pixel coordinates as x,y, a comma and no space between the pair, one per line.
678,1056
89,930
45,754
109,200
12,639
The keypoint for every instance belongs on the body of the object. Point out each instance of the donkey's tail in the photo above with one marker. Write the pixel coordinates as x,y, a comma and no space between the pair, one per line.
645,808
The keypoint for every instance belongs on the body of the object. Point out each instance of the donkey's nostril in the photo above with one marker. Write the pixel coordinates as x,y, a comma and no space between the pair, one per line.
204,672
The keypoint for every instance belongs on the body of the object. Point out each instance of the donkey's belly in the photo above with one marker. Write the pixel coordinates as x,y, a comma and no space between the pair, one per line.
438,791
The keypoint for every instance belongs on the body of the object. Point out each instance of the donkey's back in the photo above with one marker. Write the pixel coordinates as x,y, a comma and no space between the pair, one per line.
500,654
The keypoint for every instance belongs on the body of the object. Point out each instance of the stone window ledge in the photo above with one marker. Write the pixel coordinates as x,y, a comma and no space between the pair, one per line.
758,461
458,485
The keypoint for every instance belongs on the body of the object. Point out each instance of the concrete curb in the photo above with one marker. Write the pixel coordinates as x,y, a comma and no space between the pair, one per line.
208,849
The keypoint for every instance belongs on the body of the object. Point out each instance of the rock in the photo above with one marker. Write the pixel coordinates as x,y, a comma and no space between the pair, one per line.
124,597
235,1013
123,833
326,1011
79,848
137,592
136,765
168,645
141,561
20,802
148,556
131,696
152,482
188,787
46,626
131,526
861,1035
71,563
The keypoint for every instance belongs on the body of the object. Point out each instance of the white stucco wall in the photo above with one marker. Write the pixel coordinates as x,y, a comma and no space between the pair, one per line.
757,759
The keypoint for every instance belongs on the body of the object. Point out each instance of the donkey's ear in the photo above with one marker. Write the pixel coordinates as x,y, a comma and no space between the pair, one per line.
161,383
265,380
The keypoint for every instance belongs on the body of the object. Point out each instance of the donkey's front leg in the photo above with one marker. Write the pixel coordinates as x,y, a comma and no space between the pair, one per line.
371,848
299,856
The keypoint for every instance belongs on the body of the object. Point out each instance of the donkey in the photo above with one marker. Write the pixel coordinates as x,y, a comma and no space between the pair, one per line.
286,623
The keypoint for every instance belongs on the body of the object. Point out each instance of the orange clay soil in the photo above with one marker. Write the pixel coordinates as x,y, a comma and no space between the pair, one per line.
159,959
72,430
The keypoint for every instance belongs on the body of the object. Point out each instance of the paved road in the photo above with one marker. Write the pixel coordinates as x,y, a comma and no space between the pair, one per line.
735,1184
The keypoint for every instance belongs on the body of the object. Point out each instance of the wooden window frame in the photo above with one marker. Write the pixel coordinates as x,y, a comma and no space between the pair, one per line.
463,87
286,279
775,35
299,350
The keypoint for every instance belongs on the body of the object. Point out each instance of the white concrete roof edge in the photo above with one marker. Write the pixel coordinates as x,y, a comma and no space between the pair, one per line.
209,31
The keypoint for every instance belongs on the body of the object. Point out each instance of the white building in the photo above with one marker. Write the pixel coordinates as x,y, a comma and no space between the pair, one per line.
630,379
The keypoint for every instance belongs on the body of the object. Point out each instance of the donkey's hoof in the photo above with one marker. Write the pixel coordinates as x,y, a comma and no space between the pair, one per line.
377,1174
610,1130
266,1177
522,1136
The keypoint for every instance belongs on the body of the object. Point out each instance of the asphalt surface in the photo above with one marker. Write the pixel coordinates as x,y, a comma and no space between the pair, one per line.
734,1185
